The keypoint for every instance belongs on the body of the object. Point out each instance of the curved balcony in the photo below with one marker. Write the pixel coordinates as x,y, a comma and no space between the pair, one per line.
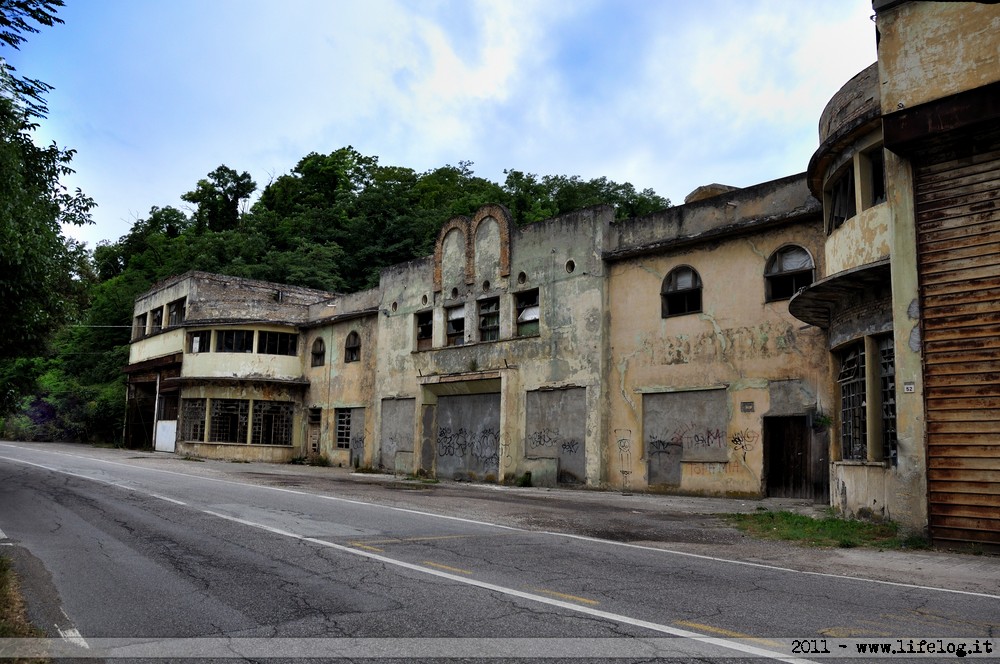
242,366
862,240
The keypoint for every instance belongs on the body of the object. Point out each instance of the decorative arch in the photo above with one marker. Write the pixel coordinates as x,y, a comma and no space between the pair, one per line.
468,228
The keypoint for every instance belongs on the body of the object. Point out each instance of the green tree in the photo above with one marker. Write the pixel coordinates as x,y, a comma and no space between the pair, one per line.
217,199
36,261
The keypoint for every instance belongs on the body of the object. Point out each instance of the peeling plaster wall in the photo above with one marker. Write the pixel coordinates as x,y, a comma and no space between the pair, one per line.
339,384
930,50
863,239
723,358
562,259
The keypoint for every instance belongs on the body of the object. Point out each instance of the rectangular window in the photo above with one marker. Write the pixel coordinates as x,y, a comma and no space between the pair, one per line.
234,341
175,312
456,325
193,420
277,343
139,327
527,313
489,319
200,341
887,379
841,196
853,418
425,330
875,174
229,421
156,320
343,433
272,423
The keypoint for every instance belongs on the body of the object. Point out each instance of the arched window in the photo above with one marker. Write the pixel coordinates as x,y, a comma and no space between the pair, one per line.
318,352
788,270
352,347
681,292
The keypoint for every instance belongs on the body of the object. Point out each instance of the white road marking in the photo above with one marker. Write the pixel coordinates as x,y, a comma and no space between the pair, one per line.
607,615
446,517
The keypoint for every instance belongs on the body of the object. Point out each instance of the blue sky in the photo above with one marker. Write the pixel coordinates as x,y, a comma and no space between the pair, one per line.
667,94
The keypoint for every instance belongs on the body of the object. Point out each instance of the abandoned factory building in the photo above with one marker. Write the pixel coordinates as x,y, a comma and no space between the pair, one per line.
831,335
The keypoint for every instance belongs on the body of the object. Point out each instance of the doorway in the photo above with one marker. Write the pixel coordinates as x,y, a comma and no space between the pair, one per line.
792,467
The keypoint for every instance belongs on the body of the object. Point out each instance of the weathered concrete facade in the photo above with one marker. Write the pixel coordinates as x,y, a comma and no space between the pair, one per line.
720,397
909,168
831,334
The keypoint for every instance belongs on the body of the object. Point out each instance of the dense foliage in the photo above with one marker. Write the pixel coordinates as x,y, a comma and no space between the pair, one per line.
332,223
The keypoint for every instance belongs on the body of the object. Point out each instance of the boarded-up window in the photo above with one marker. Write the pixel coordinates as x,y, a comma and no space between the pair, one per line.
684,426
456,325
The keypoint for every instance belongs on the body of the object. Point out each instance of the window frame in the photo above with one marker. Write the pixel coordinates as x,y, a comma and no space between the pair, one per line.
240,340
455,325
318,352
488,312
689,298
176,312
342,428
795,278
272,423
199,335
424,325
352,347
193,425
853,392
139,324
841,197
277,343
225,413
156,320
526,322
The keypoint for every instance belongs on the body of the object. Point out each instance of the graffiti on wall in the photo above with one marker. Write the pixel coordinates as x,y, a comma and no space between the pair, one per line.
745,441
687,436
623,438
484,446
543,439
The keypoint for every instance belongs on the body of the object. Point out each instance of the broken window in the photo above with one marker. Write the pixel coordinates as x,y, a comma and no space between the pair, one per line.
853,407
456,325
155,320
318,352
278,343
176,311
193,420
200,341
489,319
234,341
229,421
352,347
139,327
343,433
425,330
873,163
526,310
272,423
887,378
841,199
788,270
680,292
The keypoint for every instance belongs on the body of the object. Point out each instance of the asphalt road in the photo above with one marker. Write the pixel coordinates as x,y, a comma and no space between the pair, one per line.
123,555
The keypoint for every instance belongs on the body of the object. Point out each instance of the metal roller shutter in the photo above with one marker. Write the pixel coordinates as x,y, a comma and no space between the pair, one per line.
957,198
